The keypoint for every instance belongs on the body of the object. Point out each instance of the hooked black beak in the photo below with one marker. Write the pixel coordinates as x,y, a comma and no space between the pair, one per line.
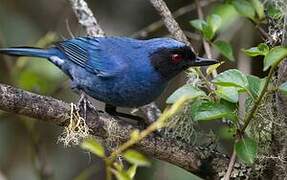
199,61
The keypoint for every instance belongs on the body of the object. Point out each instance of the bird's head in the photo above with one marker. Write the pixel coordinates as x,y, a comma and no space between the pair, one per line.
169,57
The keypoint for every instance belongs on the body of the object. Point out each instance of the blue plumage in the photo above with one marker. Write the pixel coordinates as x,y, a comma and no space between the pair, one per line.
116,70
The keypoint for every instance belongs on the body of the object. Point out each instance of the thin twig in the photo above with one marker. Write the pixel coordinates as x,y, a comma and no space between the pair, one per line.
206,45
86,18
170,23
58,112
257,102
158,24
230,166
265,35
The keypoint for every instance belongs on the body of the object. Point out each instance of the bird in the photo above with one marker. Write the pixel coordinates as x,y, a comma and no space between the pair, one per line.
119,71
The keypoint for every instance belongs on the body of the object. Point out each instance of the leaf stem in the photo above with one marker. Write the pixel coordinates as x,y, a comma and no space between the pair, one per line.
257,101
248,119
230,166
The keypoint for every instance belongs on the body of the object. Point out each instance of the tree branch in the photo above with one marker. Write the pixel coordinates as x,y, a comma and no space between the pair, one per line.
207,164
170,23
86,18
158,24
48,109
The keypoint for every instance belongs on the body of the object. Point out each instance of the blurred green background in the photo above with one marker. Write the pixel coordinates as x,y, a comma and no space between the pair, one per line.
28,147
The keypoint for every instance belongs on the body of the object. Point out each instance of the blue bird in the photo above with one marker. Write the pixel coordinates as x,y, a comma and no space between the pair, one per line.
118,71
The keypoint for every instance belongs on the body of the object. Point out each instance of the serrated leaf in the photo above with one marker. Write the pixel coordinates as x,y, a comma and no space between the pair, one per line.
232,77
283,88
121,175
93,146
261,50
275,55
132,171
225,49
204,110
136,158
230,94
244,8
246,150
214,21
197,24
259,8
255,85
186,90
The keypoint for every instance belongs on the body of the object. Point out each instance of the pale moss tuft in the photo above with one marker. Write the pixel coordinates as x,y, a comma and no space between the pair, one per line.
76,131
181,126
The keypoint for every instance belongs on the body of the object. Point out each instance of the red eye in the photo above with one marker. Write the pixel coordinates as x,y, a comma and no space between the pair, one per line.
176,58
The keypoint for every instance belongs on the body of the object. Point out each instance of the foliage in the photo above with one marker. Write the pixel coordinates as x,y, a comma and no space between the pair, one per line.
216,99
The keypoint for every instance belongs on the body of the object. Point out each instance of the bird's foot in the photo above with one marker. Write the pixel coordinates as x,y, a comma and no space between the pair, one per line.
83,104
112,110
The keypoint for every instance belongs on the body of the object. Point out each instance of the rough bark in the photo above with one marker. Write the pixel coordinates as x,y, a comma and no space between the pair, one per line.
279,136
197,160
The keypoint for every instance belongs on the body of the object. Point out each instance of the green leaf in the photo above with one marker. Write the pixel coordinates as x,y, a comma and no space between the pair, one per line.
227,133
248,103
207,32
225,49
259,8
230,94
93,146
136,158
261,50
132,171
232,77
244,8
214,21
204,110
119,166
197,24
213,67
121,175
264,48
246,150
274,57
255,85
283,88
273,12
227,13
186,90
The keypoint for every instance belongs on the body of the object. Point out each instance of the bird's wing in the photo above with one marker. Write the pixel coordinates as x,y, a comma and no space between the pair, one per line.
88,53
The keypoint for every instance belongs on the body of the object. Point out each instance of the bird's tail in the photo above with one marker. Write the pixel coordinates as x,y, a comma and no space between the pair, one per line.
27,51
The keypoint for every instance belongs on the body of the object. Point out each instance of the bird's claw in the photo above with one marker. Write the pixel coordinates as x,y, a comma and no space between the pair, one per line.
84,104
